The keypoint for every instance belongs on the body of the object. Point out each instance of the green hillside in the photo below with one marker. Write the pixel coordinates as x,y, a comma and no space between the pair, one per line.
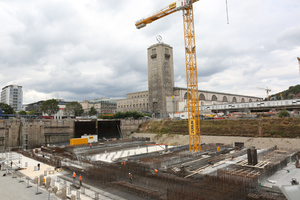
287,94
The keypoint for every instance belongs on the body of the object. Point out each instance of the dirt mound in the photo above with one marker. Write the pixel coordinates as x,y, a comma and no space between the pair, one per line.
266,127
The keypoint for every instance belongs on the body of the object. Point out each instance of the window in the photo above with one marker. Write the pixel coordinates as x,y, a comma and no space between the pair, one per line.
201,97
185,95
214,98
153,51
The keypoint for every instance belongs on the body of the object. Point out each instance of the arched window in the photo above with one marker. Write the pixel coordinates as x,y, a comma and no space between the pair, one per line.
202,97
234,100
185,95
225,99
243,100
214,98
250,100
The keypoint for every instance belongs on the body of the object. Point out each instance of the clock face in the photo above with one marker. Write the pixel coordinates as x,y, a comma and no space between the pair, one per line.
159,38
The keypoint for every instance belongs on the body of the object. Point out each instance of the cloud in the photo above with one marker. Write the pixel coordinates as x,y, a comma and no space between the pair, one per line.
89,49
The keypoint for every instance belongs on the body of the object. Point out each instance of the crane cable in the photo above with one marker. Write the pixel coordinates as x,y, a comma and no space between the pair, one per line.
227,12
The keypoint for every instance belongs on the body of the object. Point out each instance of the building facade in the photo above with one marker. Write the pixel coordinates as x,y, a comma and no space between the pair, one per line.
102,106
137,101
13,96
162,98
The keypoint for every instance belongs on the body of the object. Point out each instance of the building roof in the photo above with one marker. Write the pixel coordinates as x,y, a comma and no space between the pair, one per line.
11,86
180,88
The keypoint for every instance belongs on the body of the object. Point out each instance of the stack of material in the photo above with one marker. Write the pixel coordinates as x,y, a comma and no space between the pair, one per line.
252,156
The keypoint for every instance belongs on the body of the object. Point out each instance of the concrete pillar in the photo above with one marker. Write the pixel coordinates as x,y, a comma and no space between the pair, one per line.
73,197
69,190
78,195
64,192
48,181
82,190
96,196
53,183
41,179
55,189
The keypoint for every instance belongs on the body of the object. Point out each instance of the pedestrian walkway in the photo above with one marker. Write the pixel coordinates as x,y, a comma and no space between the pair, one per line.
16,189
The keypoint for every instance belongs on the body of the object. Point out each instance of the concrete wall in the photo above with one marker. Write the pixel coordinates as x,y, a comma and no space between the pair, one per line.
129,126
14,132
258,142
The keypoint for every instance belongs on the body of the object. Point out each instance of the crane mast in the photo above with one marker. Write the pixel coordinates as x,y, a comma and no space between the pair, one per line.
191,79
191,64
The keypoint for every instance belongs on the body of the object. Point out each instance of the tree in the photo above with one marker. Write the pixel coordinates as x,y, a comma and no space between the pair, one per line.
134,114
6,109
32,112
73,108
283,113
50,107
92,111
22,112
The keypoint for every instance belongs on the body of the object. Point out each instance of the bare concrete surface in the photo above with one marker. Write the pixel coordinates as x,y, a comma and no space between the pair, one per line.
12,189
258,142
284,176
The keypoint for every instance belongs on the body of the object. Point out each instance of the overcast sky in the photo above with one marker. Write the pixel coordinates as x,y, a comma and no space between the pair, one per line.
89,49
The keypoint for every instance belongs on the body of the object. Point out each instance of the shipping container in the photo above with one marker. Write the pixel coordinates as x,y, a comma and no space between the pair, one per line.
91,138
79,141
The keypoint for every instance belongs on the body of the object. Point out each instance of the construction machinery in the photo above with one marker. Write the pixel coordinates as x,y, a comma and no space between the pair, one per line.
191,65
267,90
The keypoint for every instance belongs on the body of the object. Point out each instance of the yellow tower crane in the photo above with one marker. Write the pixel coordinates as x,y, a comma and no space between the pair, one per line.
191,65
267,90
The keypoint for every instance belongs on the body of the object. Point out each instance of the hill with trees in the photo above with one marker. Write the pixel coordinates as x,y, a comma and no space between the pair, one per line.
287,94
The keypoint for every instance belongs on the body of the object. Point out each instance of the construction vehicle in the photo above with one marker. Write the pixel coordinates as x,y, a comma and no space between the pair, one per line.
267,90
191,65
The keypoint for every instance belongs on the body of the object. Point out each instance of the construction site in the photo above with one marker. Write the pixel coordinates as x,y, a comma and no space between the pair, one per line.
158,171
96,159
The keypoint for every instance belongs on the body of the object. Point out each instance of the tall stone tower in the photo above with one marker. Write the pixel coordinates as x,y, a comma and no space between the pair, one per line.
160,77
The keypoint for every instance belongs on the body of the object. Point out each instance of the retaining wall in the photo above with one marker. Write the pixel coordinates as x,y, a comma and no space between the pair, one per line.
258,142
32,133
